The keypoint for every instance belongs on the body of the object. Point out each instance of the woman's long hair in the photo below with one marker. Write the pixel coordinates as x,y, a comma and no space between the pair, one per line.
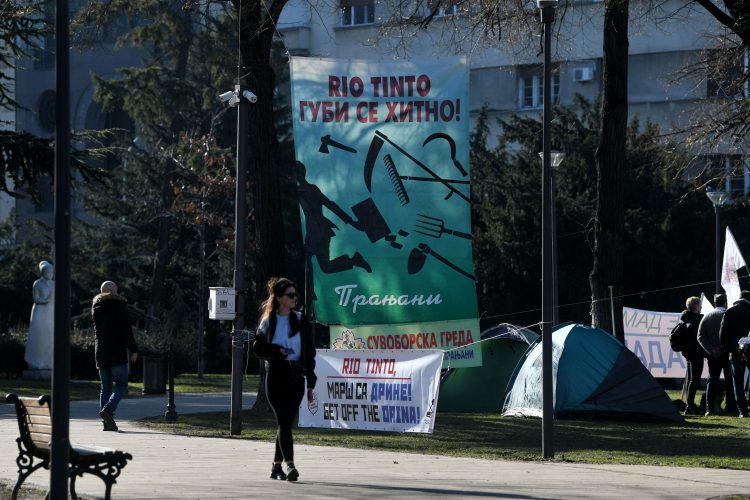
270,306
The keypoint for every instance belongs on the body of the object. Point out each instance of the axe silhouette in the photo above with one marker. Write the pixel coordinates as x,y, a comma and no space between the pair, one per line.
326,141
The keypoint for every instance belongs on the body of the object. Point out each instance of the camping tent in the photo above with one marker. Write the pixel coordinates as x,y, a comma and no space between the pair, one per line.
593,374
482,388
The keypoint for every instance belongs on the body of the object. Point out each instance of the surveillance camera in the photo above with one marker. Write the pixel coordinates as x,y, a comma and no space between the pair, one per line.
249,96
226,95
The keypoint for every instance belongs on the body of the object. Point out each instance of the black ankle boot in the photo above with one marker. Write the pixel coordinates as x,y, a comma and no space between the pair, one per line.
291,472
277,472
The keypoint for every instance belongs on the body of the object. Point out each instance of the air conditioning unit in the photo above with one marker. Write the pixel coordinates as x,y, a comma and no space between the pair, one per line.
584,74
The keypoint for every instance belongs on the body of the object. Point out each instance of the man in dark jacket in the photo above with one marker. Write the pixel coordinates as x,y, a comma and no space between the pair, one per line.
718,359
734,326
693,352
115,345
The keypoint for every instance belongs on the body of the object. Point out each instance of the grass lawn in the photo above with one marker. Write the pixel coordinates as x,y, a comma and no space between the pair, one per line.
718,442
89,389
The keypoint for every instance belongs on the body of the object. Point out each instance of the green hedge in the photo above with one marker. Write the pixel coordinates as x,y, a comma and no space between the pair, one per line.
12,350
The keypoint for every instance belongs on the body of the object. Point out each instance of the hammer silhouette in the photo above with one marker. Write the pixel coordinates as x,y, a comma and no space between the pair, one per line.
326,141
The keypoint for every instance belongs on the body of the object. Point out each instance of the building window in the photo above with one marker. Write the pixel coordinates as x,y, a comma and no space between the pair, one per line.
531,87
443,8
357,12
733,170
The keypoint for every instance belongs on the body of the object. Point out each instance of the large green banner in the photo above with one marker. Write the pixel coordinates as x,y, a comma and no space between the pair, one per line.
383,176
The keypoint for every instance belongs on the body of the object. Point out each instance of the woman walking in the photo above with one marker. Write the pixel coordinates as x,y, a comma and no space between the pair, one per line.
284,340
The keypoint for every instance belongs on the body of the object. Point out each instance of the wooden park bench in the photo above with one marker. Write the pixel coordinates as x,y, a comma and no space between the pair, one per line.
35,427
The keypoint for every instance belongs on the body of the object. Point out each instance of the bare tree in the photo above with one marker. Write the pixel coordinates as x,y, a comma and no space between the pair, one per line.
610,166
724,118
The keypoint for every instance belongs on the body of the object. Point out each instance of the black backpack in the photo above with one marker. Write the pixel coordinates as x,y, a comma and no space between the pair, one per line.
678,337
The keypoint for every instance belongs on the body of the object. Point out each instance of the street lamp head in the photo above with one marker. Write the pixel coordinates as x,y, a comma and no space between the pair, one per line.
718,198
556,158
546,3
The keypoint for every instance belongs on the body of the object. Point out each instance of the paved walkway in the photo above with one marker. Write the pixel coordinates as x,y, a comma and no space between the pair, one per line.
166,466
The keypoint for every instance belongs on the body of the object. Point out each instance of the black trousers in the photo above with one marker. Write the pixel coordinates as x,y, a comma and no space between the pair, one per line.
715,367
694,371
285,387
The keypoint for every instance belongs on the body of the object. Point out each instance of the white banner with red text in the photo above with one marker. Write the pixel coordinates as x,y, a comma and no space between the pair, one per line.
374,390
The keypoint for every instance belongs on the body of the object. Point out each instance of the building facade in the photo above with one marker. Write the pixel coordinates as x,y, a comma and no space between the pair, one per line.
35,93
506,74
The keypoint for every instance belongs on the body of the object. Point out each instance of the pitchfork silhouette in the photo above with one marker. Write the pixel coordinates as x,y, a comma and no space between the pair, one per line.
435,228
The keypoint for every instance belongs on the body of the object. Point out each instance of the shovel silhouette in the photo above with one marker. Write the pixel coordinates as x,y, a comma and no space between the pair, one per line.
418,256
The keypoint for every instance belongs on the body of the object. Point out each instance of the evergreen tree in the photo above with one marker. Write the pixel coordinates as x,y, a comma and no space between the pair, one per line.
668,241
171,99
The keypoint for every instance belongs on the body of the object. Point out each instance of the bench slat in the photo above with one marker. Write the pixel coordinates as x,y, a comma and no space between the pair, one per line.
33,403
40,437
39,419
38,410
40,429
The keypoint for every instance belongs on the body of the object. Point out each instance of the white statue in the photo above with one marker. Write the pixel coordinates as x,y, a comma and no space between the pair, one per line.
42,325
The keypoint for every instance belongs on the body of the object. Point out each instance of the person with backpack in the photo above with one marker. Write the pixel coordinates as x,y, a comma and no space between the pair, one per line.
734,326
718,358
692,352
284,339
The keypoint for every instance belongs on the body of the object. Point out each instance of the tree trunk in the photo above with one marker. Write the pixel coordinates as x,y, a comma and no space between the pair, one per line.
610,163
256,36
163,255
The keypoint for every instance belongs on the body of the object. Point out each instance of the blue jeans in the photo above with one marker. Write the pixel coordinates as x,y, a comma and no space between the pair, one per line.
108,397
738,379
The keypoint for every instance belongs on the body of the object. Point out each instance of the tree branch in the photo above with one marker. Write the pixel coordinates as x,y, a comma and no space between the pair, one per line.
719,14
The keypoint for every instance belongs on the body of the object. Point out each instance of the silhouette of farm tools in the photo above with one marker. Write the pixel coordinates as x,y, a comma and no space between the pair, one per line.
435,228
396,179
326,141
452,144
418,257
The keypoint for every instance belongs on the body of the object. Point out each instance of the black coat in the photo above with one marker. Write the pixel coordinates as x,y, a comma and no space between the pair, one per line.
113,331
265,349
693,350
735,325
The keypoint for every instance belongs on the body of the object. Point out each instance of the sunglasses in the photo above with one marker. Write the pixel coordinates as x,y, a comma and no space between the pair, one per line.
291,295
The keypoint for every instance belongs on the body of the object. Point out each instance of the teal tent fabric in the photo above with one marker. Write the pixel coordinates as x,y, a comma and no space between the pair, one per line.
594,374
482,388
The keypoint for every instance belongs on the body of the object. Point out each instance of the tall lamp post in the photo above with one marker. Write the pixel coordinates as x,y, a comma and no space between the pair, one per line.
240,98
547,9
718,199
60,449
556,158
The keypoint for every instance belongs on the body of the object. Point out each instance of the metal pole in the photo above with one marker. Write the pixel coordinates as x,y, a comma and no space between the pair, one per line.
171,414
555,298
612,309
718,249
547,8
201,284
235,419
60,453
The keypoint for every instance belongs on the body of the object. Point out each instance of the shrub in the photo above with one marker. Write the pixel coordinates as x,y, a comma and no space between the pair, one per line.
82,361
12,350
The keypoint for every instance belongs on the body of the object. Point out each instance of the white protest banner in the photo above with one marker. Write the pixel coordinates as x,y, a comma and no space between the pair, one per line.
647,335
733,260
375,390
